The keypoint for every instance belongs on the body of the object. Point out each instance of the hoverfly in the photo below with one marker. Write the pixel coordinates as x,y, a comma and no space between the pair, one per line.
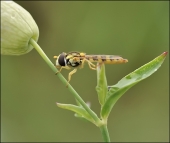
76,59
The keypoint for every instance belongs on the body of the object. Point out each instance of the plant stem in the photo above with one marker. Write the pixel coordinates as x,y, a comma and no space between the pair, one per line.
105,133
76,95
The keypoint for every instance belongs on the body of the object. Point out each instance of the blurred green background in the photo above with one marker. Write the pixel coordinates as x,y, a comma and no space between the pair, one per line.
138,31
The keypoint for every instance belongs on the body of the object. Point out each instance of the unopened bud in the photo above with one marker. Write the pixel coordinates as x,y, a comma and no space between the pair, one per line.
17,28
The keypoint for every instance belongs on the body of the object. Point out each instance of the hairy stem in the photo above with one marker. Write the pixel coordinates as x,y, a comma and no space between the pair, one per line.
64,81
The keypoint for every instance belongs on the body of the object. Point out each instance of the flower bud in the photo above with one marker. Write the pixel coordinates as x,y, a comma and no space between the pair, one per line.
17,28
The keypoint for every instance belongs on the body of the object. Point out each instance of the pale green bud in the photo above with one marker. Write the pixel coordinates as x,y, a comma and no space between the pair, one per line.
17,28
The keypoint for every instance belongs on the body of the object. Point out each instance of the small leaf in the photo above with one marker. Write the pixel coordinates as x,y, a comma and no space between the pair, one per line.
80,117
116,91
78,103
88,103
101,87
80,111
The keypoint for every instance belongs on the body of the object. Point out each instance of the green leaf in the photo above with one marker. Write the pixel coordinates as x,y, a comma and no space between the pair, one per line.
80,111
101,87
116,91
78,103
80,117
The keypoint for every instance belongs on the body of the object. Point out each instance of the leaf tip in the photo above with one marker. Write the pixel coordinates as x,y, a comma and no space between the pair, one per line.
57,103
99,65
164,53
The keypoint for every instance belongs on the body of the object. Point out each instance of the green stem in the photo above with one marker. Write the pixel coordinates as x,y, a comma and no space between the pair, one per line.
105,133
76,95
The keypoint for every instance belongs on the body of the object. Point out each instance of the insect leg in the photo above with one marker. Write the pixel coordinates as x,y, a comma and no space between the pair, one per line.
91,66
66,67
90,63
55,57
82,64
70,74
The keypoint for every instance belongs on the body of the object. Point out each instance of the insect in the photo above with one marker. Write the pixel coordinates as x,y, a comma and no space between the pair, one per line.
77,59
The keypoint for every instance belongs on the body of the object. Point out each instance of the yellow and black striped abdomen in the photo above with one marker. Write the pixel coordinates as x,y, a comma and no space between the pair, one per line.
107,59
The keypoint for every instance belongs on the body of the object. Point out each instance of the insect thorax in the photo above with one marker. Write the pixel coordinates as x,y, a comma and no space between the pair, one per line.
74,59
73,64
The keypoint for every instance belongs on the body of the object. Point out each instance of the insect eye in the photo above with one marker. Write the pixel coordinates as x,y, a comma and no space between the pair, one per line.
61,59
